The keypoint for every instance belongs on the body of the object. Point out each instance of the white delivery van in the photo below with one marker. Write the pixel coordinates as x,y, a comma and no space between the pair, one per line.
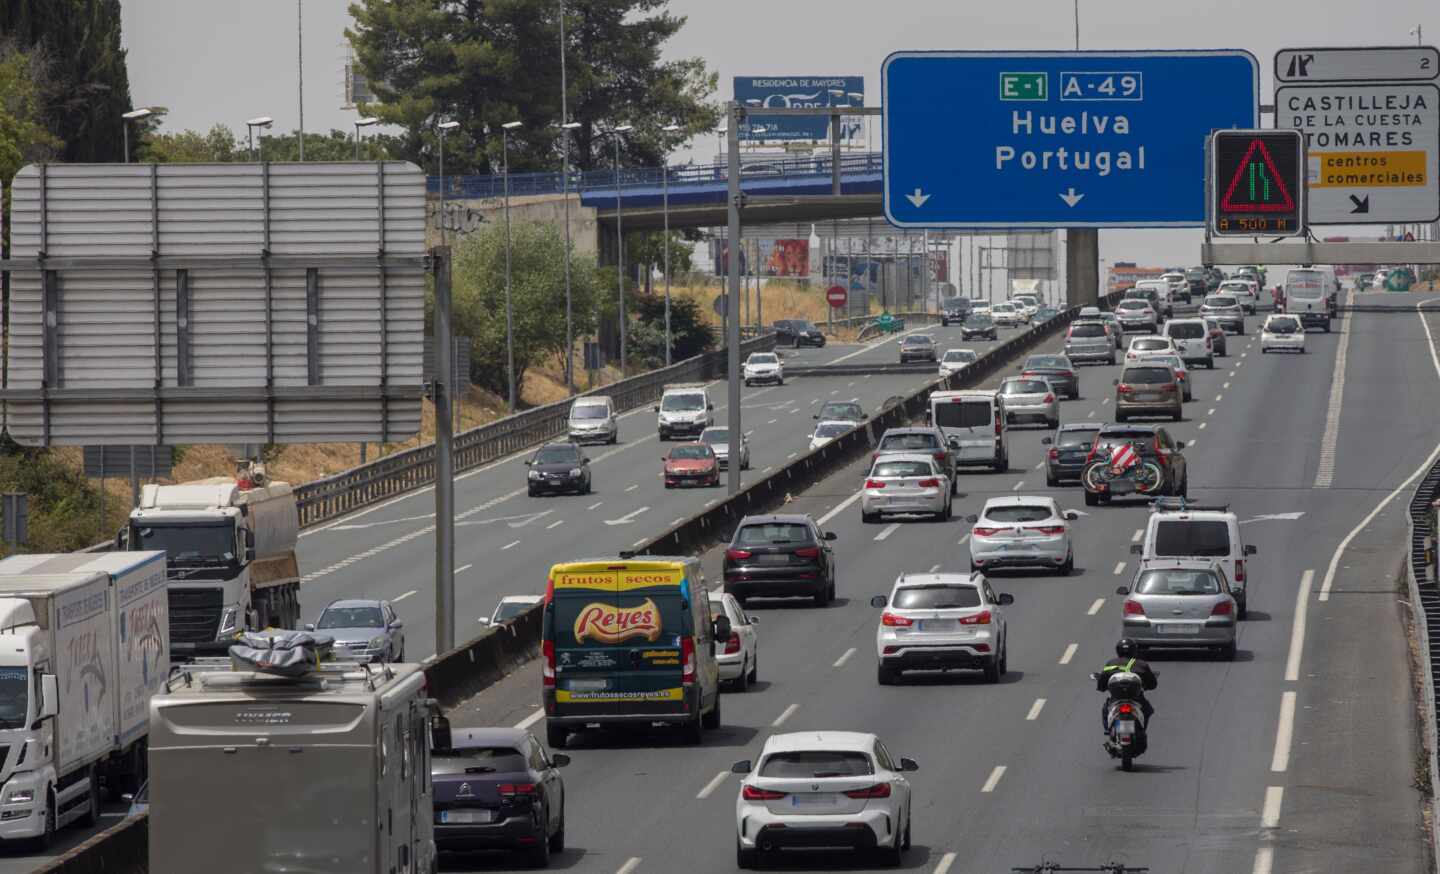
1180,529
1307,296
684,410
974,425
593,420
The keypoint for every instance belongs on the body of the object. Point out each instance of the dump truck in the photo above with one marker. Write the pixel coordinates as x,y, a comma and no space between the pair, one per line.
230,551
83,648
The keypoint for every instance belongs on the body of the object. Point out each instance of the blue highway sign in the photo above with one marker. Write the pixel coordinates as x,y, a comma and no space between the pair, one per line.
1057,139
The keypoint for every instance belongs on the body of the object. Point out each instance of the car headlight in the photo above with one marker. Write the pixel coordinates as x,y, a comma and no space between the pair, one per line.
21,795
535,474
376,642
574,471
227,620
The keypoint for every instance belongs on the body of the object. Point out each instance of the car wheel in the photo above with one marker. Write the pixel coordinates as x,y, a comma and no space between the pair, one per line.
92,807
1052,424
1185,487
1091,499
46,837
1068,567
1051,482
1121,417
992,670
556,735
1227,652
539,855
744,859
1210,363
1176,416
557,840
869,518
693,732
711,720
755,669
742,682
532,492
885,675
943,515
893,855
1005,656
822,597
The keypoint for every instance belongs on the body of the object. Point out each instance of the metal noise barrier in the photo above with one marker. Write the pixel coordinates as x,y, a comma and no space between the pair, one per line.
1422,575
349,490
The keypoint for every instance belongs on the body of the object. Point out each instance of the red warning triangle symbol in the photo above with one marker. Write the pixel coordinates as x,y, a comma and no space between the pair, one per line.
1247,184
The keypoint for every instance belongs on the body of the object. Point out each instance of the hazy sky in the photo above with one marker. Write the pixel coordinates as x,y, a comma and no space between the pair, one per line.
221,61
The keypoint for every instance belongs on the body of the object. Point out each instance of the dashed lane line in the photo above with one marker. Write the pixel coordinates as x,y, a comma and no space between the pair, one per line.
404,596
556,524
1069,653
1119,568
509,545
1138,535
840,662
1096,607
1270,813
630,865
1297,630
889,529
1284,733
784,715
712,785
994,779
531,719
463,568
1035,709
945,862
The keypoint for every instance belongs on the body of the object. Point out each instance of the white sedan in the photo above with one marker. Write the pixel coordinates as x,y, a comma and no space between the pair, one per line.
828,430
739,659
763,367
823,789
1149,347
956,360
1008,315
1282,333
905,482
1022,531
510,607
941,621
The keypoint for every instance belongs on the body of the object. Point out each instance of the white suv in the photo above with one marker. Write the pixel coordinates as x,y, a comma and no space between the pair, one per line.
1022,532
941,621
1180,529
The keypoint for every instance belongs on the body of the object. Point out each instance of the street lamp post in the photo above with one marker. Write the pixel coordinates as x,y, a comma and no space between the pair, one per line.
443,127
132,115
505,130
263,122
620,240
359,123
665,210
566,125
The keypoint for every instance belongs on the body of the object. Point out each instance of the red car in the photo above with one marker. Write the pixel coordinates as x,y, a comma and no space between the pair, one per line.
691,464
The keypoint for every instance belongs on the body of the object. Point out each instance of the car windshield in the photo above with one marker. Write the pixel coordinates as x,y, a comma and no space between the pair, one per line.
1019,513
935,597
1148,344
1147,376
773,534
901,468
1187,330
715,435
1177,582
816,764
350,617
832,429
903,442
187,543
1047,361
588,411
1087,330
917,340
841,410
961,356
680,403
1132,304
1023,387
1192,537
14,696
557,455
1076,438
764,358
1235,287
1282,326
978,320
510,609
691,452
1217,300
801,325
478,760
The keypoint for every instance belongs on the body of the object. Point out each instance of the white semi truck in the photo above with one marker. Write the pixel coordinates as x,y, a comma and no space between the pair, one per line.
230,547
83,647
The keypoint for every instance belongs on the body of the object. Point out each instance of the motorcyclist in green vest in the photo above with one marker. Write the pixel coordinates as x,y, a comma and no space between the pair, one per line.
1126,659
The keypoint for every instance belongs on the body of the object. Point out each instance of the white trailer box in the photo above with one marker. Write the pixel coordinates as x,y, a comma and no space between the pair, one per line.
98,624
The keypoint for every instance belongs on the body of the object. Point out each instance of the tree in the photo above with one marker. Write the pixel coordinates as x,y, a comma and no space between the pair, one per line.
690,334
188,147
485,64
93,87
537,297
24,138
223,145
647,249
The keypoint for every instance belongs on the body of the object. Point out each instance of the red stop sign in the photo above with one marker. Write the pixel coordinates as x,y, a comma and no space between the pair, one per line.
837,295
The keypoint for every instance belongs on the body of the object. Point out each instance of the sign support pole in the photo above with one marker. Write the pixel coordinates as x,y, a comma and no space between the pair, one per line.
732,341
1082,267
444,465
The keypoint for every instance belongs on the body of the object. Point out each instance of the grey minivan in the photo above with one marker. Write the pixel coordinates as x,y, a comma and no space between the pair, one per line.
593,420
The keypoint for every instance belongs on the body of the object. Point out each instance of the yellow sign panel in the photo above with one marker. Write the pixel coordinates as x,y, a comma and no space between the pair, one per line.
565,696
623,578
1369,169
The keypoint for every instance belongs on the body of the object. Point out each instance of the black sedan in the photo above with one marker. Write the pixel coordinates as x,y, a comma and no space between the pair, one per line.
1058,370
978,325
797,333
954,311
559,467
498,789
1069,448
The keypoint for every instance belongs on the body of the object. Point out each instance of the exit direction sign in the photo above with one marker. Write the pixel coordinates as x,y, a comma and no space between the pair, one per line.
1371,118
1257,183
1057,139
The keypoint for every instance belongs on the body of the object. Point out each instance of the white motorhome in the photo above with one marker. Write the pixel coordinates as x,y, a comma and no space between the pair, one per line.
230,549
253,772
83,647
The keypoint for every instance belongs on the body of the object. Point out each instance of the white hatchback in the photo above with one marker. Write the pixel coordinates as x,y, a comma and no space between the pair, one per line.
739,659
1149,347
905,482
941,621
828,430
1282,333
956,360
763,367
819,789
1022,531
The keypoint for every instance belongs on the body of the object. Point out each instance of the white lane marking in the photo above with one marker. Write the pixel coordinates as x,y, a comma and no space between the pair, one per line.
1040,465
640,541
509,545
849,385
889,529
786,714
1239,364
1243,354
1090,415
1104,401
949,858
627,518
845,657
767,468
676,521
1264,860
1325,470
1284,732
814,401
994,779
632,488
835,391
1270,813
1139,533
1018,486
530,720
630,865
556,524
1189,444
407,594
1219,398
1226,385
1035,710
935,568
1096,607
791,455
712,502
712,785
1231,374
1069,653
961,541
1119,568
1210,412
594,505
1297,631
771,422
1202,425
838,508
463,568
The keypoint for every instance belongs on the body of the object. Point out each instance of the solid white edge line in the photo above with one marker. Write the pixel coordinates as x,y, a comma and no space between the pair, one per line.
840,662
994,779
1284,732
1035,710
463,568
786,714
1270,814
945,862
1264,860
712,785
530,720
1297,631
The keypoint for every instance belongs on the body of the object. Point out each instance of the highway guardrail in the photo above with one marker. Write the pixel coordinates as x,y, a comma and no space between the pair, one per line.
1422,575
123,848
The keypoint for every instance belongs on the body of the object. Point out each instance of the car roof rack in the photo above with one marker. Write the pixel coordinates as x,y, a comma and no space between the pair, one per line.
1179,505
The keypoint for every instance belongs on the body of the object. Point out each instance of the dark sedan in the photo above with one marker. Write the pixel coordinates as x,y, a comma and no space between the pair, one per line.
498,789
559,467
1059,370
979,325
954,311
1069,448
780,557
918,347
798,332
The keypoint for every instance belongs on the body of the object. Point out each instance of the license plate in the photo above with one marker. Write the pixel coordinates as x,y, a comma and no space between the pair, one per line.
587,685
1147,396
936,625
1121,487
1178,628
773,558
816,800
467,817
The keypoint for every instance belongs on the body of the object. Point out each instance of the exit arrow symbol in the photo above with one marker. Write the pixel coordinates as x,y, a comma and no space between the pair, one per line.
1362,204
918,198
627,518
1071,198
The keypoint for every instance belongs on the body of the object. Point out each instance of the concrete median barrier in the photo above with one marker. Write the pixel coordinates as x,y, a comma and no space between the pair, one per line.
121,849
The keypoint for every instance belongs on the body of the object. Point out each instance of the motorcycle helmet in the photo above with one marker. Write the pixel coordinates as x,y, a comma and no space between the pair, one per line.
1126,648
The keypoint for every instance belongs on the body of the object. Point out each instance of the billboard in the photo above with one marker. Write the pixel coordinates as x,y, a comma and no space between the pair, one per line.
796,92
773,257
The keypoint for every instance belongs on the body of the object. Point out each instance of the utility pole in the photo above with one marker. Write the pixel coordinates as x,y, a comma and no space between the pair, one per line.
444,463
732,369
300,68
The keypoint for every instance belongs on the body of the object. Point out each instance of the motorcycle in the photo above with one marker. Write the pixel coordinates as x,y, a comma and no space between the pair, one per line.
1126,737
1105,479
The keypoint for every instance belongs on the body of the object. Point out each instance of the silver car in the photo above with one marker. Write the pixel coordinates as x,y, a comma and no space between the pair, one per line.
364,629
911,483
1136,314
1032,398
1226,310
1090,341
956,360
1180,603
719,440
